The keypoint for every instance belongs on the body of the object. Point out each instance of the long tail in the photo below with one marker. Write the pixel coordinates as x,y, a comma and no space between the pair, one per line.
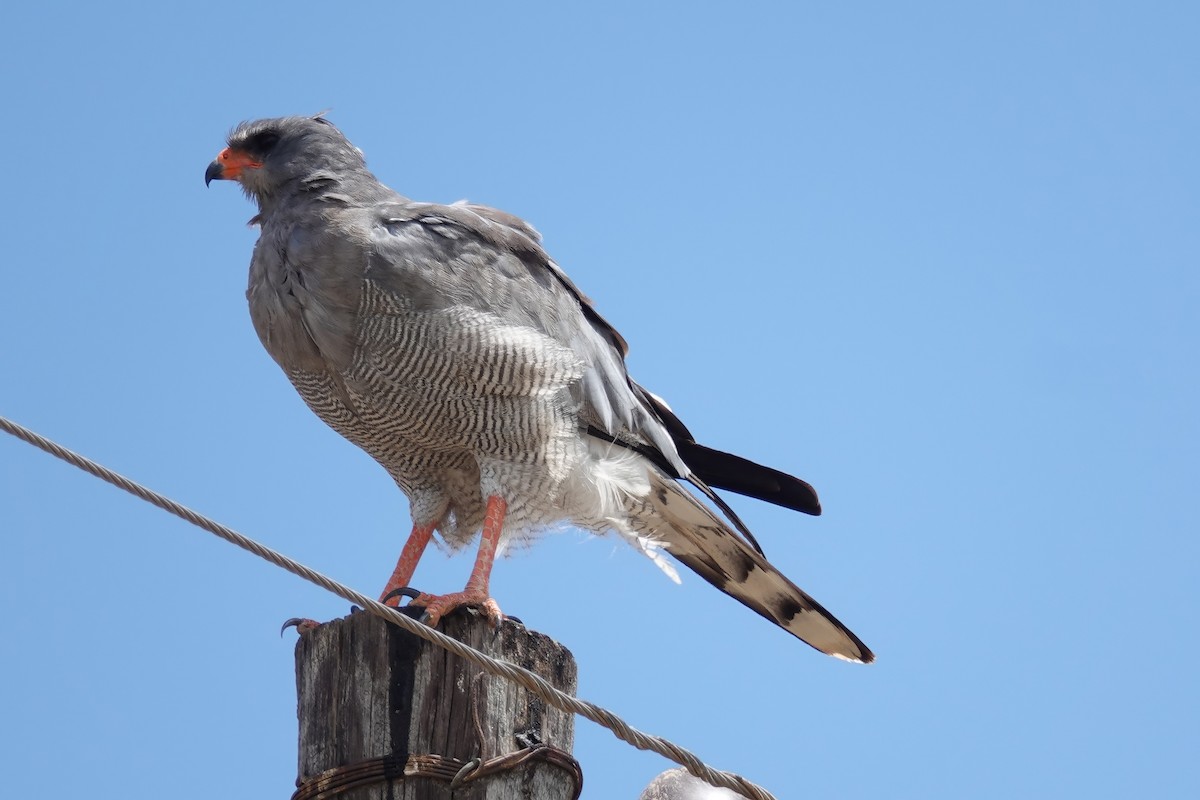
700,540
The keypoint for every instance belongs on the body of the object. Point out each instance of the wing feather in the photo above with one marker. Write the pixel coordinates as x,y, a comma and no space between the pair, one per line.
439,255
435,257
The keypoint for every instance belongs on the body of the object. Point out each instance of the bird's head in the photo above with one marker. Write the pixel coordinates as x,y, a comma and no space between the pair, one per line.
269,156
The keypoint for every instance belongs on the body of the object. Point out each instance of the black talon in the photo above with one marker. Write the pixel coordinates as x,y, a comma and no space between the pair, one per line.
294,621
403,591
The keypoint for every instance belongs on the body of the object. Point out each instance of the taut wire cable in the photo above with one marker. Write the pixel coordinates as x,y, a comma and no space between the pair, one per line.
522,677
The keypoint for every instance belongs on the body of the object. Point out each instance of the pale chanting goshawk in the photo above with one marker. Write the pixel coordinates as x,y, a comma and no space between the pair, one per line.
444,341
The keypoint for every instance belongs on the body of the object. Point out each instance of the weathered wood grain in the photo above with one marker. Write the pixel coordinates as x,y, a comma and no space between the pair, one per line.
367,689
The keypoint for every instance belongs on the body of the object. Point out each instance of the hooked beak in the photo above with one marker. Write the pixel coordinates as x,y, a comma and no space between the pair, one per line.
229,165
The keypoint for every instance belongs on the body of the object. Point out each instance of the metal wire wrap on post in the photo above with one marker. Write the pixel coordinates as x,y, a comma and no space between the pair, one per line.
336,781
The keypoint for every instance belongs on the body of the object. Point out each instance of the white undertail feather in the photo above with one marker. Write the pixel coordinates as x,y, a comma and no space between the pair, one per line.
600,491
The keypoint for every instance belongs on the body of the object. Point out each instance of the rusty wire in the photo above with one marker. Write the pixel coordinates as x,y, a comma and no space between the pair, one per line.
338,780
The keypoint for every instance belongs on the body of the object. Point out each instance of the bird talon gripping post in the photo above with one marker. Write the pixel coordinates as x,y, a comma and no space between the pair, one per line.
301,625
403,591
445,342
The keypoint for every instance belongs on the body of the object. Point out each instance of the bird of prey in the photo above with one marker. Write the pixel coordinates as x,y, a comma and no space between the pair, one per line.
445,342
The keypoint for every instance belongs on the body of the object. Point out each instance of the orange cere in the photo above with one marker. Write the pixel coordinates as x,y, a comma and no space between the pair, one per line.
234,161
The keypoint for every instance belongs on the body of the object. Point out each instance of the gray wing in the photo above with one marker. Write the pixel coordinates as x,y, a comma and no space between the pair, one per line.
439,256
464,255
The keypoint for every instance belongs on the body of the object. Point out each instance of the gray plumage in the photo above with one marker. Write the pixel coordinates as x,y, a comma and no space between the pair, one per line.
444,341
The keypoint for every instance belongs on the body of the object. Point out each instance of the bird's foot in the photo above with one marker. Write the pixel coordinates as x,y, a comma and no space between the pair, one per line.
301,625
439,605
390,592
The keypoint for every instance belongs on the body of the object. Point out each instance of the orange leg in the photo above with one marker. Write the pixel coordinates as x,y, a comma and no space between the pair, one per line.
406,565
476,591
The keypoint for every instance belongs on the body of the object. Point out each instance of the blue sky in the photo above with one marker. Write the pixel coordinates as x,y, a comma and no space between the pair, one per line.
939,259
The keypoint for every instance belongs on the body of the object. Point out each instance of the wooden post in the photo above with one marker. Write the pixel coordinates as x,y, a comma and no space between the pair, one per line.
387,716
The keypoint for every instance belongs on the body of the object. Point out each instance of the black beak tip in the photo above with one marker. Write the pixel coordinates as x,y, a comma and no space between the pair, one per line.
215,172
293,622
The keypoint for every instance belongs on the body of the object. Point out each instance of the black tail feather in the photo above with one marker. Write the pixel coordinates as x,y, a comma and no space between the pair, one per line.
736,474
